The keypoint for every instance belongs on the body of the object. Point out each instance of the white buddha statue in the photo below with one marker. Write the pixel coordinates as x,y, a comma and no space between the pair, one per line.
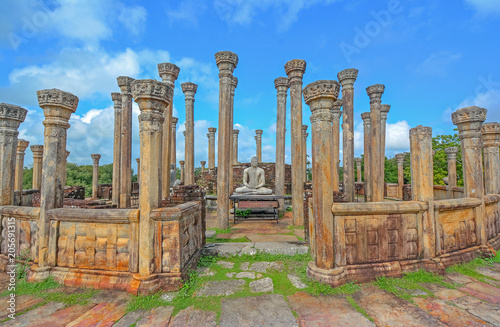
254,180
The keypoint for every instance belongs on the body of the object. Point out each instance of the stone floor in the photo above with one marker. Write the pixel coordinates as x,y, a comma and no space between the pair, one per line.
473,303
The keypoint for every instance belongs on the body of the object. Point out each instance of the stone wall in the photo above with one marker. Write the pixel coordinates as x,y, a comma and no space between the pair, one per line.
74,192
441,192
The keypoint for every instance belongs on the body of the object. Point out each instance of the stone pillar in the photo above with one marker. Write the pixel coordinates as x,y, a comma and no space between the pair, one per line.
234,84
295,70
469,121
173,146
377,184
358,169
57,108
152,97
117,148
491,142
95,174
138,170
65,174
336,113
281,84
37,165
235,146
320,96
203,163
422,185
124,83
211,147
384,110
367,125
226,62
189,90
182,170
400,159
21,148
11,117
258,141
347,77
304,150
451,152
168,73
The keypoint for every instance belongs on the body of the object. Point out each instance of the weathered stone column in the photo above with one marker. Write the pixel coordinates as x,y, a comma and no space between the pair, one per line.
304,150
226,62
320,96
138,170
469,121
189,90
152,97
37,165
451,152
295,70
65,174
124,83
347,77
400,159
173,146
168,73
211,147
95,174
234,84
358,169
21,148
377,184
57,108
422,185
281,84
11,117
203,163
384,110
258,143
235,146
336,113
182,170
367,125
117,148
491,142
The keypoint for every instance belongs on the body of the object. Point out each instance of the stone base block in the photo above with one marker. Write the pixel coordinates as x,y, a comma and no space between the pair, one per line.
466,255
495,242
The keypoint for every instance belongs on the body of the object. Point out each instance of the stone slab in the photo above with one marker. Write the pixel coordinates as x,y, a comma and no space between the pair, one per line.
459,278
296,281
225,249
271,238
103,314
489,272
270,310
448,314
319,311
158,317
64,316
483,310
289,248
388,310
444,293
191,317
130,318
260,266
210,233
226,264
244,265
262,285
223,287
246,274
23,302
110,296
31,317
483,291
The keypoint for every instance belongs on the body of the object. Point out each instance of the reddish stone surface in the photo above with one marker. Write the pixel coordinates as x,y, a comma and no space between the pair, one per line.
23,302
483,291
194,318
450,315
63,316
102,315
158,317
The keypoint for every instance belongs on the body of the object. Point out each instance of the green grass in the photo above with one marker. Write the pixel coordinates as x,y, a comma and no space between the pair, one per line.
469,268
214,239
221,231
23,287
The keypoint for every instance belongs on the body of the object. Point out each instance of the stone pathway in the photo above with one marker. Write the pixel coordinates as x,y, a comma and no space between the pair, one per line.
473,303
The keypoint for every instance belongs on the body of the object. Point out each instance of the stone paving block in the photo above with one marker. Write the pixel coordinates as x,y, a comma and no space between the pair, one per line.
223,287
444,293
158,317
103,314
483,291
23,302
319,311
31,317
270,310
260,266
289,248
448,314
483,310
110,297
230,275
487,271
130,318
249,249
244,265
226,264
388,310
271,238
210,233
202,272
246,274
262,285
64,316
459,278
296,281
278,266
191,317
225,249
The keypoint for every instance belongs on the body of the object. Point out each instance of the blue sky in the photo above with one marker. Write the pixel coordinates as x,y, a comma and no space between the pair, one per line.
434,56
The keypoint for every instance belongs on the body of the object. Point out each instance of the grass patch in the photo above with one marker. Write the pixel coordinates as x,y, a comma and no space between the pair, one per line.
469,268
25,288
221,231
411,281
214,239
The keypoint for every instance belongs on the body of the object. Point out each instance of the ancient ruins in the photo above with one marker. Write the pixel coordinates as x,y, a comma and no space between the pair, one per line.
150,234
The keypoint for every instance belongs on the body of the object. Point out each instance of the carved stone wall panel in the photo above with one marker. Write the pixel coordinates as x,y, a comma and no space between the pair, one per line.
458,229
170,247
492,219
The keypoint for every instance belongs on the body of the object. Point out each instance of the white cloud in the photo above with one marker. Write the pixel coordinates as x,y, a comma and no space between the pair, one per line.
132,18
489,100
188,12
397,137
485,6
438,63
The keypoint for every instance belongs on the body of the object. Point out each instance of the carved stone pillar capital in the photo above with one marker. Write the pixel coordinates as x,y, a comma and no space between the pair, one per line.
295,70
469,121
320,96
282,84
95,158
375,93
21,146
152,97
400,158
226,61
236,132
451,152
189,90
57,107
11,116
358,161
347,77
490,133
366,118
168,73
125,84
37,151
174,122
